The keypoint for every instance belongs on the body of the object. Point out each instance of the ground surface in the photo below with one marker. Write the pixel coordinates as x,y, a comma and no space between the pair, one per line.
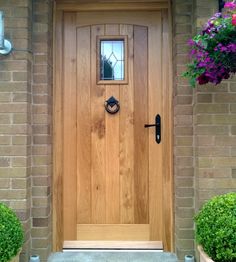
112,257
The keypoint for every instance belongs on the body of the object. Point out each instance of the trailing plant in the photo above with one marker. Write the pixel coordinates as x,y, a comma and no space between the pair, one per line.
213,50
216,228
11,233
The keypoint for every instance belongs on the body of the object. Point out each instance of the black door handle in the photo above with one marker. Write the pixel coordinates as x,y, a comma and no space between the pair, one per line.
157,125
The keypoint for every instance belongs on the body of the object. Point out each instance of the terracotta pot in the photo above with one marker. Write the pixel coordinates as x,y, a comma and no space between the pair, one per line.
203,256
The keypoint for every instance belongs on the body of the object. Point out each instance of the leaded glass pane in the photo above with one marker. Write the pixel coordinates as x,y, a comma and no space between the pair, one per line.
112,60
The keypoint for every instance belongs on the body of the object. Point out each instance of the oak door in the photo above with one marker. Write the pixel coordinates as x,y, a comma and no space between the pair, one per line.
112,167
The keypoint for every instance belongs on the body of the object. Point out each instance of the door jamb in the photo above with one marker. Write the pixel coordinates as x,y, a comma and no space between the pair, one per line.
57,185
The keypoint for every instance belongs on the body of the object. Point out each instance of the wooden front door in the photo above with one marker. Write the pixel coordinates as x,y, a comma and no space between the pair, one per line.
113,170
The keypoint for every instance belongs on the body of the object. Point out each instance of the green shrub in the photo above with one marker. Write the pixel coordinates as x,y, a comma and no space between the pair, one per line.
11,234
216,228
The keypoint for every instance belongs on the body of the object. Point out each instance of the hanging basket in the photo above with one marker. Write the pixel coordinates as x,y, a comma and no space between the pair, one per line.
213,50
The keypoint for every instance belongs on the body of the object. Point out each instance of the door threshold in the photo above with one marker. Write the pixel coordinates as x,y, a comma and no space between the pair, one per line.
114,246
113,250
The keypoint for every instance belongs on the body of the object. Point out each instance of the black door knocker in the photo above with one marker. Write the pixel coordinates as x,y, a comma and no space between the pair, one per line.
112,105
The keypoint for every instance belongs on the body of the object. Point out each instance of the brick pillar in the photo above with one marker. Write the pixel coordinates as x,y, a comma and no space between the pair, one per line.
15,114
183,21
42,128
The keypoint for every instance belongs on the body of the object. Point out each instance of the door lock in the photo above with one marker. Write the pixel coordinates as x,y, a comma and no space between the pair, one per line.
157,126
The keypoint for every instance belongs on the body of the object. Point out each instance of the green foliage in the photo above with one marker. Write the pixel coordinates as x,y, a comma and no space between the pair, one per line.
11,233
216,228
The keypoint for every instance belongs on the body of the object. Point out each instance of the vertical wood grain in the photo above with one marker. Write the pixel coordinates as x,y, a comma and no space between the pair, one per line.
112,149
125,172
127,136
167,138
69,130
155,150
98,146
57,136
83,126
141,185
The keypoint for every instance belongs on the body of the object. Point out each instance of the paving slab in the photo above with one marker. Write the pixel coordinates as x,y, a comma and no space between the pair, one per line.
112,257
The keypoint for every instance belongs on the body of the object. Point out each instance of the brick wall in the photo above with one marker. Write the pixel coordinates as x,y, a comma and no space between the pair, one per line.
215,137
205,136
41,128
25,120
15,114
183,21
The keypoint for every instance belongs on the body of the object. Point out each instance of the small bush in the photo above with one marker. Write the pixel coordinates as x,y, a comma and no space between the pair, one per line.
216,228
11,233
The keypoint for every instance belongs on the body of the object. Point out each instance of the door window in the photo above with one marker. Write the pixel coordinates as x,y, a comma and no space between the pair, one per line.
112,61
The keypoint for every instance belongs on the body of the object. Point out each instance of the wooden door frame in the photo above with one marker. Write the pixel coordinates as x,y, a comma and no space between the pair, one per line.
57,184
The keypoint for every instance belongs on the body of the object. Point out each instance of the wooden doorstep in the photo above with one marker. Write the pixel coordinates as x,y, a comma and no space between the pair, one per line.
125,245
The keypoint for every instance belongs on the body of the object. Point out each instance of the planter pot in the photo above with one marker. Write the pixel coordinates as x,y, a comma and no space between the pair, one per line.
203,256
16,258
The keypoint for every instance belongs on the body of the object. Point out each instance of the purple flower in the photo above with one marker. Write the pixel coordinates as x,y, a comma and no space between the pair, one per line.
202,79
223,49
231,48
230,5
191,42
193,52
217,15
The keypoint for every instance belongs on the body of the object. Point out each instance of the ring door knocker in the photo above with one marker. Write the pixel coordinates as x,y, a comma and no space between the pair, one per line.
112,105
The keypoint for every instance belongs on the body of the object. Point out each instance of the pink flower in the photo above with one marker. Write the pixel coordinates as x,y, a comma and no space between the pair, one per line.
234,19
230,5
